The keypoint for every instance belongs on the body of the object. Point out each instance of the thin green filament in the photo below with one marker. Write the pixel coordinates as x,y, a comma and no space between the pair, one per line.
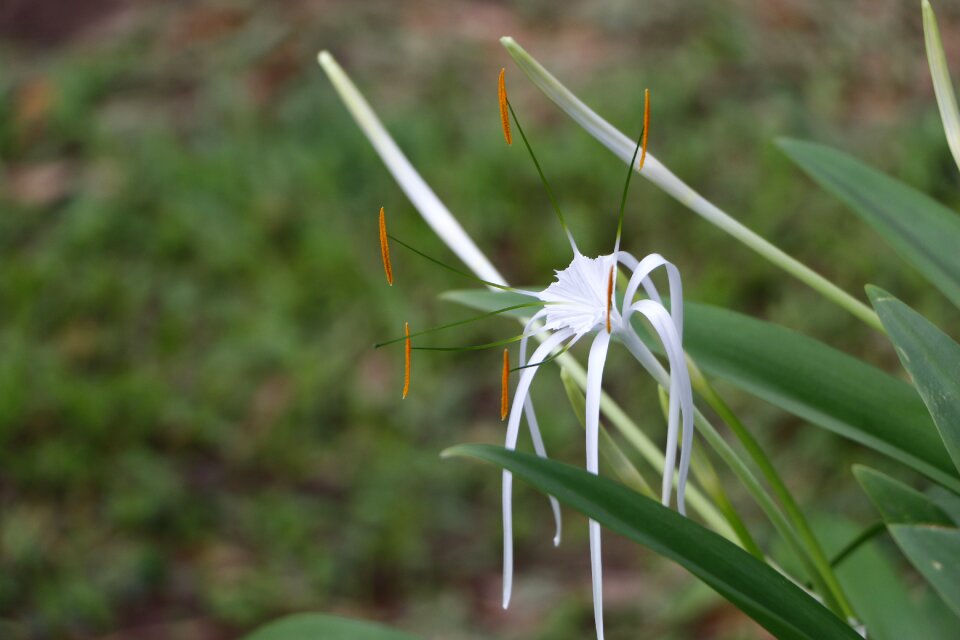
551,358
626,187
543,178
453,269
460,322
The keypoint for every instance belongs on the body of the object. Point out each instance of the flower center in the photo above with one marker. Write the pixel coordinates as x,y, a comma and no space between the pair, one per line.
579,299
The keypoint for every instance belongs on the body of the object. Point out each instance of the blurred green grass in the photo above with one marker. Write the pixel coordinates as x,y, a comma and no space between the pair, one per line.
195,433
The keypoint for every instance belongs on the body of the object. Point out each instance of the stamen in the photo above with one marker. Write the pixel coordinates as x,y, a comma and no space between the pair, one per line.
504,112
455,270
505,386
543,178
463,322
406,360
385,248
609,297
646,125
641,144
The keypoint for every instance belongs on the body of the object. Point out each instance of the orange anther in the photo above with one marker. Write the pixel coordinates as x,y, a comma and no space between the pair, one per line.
646,126
385,248
504,109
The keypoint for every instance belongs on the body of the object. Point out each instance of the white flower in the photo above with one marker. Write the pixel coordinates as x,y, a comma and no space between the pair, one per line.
579,303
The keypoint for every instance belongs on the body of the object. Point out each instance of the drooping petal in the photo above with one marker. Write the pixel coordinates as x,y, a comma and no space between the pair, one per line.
595,364
513,429
534,426
680,391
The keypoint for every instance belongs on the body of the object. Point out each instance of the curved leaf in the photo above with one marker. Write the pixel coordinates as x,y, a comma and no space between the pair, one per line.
755,588
319,626
924,232
805,377
935,552
898,503
931,357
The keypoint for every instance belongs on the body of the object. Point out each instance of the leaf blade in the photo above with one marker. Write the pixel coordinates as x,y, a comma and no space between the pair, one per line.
898,503
925,233
754,587
935,552
931,358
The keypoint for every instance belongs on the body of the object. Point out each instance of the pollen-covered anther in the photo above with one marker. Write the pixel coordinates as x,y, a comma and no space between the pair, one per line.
504,109
505,386
406,359
609,297
385,248
646,126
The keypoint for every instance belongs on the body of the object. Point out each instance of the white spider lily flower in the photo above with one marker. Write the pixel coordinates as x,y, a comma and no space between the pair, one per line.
580,302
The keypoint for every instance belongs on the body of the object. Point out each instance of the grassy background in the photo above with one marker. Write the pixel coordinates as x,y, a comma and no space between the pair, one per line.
195,434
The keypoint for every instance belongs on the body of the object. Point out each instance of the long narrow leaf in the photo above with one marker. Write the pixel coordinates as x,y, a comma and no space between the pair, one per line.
755,588
935,552
898,503
933,360
805,377
924,232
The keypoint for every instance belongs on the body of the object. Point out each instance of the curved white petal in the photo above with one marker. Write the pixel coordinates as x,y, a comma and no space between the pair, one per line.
641,275
595,364
513,430
421,195
534,426
680,391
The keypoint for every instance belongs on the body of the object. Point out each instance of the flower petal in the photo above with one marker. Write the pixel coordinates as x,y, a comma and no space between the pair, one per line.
513,429
595,364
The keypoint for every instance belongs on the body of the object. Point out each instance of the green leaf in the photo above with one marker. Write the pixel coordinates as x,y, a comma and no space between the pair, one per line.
931,357
805,377
935,552
754,587
942,85
948,501
889,607
318,626
898,503
924,232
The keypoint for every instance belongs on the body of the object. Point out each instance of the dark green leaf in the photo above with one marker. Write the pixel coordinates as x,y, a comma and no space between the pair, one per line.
898,503
931,357
318,626
935,552
754,587
805,377
924,232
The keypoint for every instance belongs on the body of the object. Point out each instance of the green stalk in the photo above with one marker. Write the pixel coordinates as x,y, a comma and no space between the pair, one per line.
817,556
658,174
